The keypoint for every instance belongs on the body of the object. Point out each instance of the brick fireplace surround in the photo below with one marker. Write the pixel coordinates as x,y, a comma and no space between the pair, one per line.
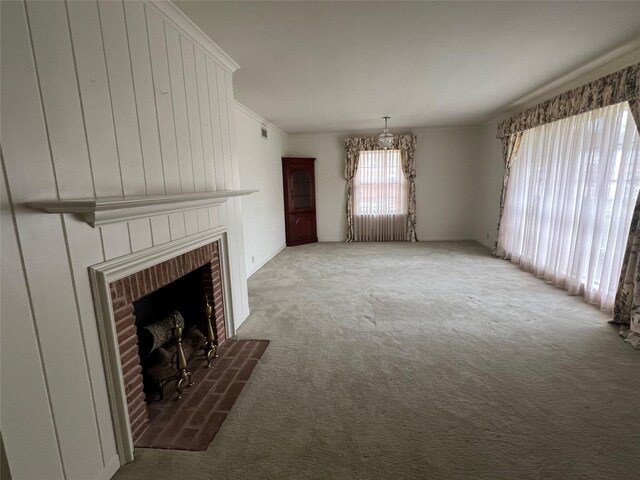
129,289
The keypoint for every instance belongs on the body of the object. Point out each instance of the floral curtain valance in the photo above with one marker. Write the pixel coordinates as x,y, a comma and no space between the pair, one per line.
620,86
400,142
407,145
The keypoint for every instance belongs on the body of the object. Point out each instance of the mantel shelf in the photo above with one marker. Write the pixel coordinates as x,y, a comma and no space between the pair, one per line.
106,210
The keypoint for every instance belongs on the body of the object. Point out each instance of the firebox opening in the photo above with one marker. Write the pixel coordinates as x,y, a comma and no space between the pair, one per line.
154,323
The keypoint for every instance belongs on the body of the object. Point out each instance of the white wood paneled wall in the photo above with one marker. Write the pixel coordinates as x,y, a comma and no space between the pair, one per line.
99,98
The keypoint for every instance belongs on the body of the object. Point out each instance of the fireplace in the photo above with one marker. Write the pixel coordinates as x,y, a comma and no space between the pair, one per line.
184,282
181,304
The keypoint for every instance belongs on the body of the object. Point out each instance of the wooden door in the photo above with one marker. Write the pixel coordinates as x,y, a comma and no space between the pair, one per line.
299,200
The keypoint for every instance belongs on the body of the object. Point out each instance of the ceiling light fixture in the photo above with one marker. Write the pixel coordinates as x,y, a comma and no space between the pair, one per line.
385,139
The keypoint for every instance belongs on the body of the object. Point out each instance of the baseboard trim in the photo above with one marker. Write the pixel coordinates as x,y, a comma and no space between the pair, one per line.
446,239
420,239
262,263
110,470
489,245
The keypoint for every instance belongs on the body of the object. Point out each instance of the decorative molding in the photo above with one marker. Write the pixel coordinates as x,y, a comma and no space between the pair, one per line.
612,61
184,23
258,118
101,275
103,211
446,238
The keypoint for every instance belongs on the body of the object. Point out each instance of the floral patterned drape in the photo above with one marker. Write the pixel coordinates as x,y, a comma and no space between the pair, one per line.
626,310
407,145
350,168
510,149
634,106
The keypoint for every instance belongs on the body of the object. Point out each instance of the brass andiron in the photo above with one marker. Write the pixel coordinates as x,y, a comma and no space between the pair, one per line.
211,347
181,361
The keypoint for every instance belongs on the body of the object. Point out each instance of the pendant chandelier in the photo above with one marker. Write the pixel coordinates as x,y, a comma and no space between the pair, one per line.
385,139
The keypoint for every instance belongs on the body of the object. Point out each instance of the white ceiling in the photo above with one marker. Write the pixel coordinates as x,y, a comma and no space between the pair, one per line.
339,66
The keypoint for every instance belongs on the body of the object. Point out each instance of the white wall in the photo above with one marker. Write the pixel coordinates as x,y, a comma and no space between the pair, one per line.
489,179
445,181
98,99
446,186
260,168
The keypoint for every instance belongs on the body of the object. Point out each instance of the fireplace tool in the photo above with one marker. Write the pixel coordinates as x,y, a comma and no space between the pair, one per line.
211,347
181,361
183,375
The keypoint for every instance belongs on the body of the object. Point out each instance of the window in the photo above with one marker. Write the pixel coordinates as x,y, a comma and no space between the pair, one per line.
570,200
380,186
380,197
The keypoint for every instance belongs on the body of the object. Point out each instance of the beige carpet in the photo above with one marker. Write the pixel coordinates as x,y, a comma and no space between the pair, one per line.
420,361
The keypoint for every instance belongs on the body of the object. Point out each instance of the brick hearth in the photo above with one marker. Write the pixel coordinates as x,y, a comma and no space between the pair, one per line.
193,421
129,289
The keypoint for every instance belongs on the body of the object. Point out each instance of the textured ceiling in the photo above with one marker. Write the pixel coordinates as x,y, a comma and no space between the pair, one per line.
335,66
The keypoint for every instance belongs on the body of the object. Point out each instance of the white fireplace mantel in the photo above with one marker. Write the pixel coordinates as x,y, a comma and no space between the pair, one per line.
102,211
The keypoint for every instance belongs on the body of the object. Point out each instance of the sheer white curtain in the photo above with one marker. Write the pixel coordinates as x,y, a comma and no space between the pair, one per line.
380,198
570,199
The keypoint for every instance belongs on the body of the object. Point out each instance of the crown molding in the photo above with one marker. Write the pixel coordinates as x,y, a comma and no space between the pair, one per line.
184,23
612,61
259,118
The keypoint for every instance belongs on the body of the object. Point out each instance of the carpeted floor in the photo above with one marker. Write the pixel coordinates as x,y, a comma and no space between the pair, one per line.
420,361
